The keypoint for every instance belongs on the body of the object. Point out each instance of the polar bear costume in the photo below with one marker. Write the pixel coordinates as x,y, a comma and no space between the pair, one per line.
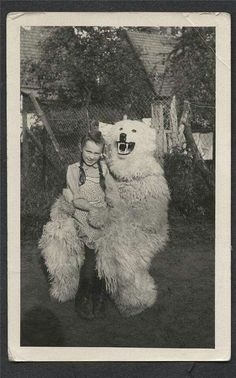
133,228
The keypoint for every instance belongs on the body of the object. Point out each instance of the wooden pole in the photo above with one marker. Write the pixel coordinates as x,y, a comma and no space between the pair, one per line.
186,115
43,118
44,159
40,148
185,120
174,122
158,124
25,146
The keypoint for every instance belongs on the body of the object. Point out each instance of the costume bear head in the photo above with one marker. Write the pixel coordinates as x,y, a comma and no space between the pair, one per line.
131,147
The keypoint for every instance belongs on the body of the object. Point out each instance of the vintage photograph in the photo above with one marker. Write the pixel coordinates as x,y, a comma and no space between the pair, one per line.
118,186
128,262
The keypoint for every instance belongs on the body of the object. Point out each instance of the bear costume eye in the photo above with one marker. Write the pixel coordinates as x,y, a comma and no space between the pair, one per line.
134,131
121,128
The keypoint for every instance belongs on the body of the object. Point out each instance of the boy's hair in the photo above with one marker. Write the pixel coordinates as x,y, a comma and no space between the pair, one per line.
96,137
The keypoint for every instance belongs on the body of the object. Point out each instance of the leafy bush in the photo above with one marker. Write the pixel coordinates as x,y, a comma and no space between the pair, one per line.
189,192
35,210
39,189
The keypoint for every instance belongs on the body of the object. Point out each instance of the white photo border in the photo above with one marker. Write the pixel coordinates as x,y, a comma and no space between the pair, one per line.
221,21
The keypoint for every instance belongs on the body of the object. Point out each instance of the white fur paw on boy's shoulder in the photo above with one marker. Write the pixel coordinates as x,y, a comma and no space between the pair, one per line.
112,199
97,217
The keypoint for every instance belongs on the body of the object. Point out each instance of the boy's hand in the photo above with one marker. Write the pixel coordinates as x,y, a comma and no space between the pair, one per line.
94,203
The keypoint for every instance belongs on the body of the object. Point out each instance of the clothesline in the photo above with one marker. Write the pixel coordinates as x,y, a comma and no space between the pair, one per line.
202,105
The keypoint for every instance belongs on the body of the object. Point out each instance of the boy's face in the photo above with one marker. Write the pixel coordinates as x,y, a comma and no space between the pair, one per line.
91,152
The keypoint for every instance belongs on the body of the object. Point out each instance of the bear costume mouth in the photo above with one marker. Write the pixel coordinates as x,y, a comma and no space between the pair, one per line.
125,148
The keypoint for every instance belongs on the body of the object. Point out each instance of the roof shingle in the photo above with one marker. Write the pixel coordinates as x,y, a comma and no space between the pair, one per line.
153,50
30,41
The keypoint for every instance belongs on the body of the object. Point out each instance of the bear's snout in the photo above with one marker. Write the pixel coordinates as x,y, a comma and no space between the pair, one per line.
123,137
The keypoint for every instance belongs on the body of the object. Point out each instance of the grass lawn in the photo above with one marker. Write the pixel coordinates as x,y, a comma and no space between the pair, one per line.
183,316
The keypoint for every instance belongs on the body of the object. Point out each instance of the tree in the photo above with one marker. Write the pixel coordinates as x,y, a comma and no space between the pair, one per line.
91,65
193,65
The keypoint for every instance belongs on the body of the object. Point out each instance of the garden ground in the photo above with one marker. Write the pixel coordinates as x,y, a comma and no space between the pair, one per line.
183,316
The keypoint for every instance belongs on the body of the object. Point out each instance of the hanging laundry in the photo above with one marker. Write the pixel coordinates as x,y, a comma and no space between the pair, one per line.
204,142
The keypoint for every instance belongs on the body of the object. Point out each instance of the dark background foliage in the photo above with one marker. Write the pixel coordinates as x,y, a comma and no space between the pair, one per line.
90,65
189,192
193,66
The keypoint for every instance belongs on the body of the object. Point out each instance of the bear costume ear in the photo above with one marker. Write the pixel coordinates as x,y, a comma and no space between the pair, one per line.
94,125
105,129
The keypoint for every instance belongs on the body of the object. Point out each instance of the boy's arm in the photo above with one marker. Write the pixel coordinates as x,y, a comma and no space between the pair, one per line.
72,179
82,204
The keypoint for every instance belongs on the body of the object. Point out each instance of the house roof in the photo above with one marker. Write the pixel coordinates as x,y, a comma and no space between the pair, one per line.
152,49
30,39
30,49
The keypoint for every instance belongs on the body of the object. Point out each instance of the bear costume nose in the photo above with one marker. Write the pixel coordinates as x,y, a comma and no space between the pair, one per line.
123,137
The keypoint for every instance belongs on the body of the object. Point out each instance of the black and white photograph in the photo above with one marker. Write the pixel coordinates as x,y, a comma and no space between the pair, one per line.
121,240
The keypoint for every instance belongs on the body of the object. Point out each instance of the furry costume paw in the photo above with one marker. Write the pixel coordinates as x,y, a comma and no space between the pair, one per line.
137,294
97,217
61,209
112,193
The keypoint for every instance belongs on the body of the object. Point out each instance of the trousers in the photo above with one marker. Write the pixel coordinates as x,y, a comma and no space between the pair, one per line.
88,270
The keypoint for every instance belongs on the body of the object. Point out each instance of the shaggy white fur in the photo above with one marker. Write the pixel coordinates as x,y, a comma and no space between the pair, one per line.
134,227
62,251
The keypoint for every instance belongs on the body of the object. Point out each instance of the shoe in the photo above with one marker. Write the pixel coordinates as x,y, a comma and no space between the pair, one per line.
84,307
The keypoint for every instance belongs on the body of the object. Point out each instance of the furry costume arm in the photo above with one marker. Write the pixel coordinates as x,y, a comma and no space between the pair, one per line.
98,217
112,192
150,207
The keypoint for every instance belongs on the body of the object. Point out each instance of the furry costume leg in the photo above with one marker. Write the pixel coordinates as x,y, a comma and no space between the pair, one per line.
126,269
63,253
137,294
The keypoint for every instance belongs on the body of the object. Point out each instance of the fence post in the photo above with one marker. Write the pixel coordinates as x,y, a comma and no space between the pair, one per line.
46,124
44,158
25,145
158,123
185,117
40,148
200,163
174,122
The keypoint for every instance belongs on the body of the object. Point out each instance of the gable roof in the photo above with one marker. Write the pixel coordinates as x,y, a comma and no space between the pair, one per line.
30,49
153,49
30,39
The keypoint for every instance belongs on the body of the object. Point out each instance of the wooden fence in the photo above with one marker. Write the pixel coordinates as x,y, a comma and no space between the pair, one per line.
167,139
175,135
